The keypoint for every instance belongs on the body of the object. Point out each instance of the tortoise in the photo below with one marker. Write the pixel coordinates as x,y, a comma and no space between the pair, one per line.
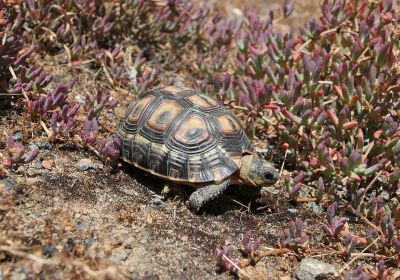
191,139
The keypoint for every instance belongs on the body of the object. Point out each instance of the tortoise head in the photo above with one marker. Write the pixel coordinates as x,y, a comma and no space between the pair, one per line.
256,171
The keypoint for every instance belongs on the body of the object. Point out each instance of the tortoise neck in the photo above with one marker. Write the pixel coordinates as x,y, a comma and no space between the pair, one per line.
246,169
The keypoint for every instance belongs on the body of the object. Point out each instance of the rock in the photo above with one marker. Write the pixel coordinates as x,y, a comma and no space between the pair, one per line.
86,164
47,164
317,209
184,238
80,99
293,210
17,136
43,145
49,250
119,256
157,200
7,184
311,269
37,164
81,225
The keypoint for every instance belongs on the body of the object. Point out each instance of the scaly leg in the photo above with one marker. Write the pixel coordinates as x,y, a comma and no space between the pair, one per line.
205,194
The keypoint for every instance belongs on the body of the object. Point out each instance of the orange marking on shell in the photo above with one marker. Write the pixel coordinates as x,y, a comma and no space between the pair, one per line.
228,124
203,101
162,117
192,132
174,89
138,108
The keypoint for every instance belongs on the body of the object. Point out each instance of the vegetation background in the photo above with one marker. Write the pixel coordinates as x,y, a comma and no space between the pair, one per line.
316,85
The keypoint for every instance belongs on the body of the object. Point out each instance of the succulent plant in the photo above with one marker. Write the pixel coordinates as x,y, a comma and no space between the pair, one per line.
16,154
109,150
221,261
90,131
356,274
335,224
294,237
53,100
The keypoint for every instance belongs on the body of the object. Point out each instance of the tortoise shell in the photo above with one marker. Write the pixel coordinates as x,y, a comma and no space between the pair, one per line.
182,135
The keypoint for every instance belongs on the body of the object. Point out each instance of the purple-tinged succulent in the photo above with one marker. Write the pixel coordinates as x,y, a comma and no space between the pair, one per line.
288,7
335,224
294,187
383,273
396,244
350,242
294,237
34,75
356,198
13,53
249,245
63,121
51,101
109,151
90,131
95,105
16,154
356,274
221,261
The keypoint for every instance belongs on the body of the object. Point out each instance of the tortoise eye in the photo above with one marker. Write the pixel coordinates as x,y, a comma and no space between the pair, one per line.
270,177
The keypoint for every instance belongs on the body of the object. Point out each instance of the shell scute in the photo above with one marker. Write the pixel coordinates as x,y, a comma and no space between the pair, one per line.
192,132
203,101
138,108
164,115
228,124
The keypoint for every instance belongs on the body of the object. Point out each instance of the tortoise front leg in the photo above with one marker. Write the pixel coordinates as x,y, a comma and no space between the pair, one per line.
205,194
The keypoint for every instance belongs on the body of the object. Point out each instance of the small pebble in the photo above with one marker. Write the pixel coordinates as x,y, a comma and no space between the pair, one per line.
80,99
49,250
157,200
311,269
86,164
37,164
119,257
7,184
293,210
47,164
43,145
81,225
17,136
317,209
184,238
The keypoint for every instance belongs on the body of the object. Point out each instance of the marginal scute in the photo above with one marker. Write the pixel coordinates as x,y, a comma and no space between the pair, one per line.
192,132
174,89
164,115
203,101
